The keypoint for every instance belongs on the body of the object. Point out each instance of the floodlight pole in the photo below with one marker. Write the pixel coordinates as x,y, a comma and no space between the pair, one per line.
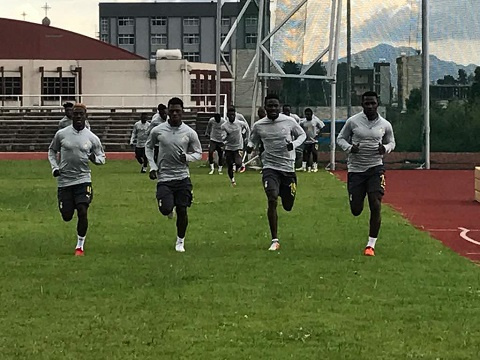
426,79
349,61
218,37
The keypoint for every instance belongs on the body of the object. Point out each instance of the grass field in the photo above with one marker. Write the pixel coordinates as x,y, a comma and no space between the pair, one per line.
133,297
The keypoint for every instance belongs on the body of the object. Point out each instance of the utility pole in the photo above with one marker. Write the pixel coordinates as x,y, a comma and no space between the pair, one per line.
218,57
426,80
349,61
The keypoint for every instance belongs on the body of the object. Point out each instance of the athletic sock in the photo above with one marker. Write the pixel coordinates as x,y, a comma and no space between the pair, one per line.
275,240
212,166
371,242
80,242
220,168
180,240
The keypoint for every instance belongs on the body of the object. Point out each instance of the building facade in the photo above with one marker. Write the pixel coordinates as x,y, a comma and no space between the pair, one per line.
143,28
409,70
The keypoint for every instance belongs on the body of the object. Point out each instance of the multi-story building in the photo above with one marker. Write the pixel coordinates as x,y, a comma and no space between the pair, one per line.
143,28
382,81
409,70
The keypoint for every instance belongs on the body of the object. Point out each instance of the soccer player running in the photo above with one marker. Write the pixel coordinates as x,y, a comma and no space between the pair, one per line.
139,138
160,117
76,145
286,110
312,127
178,145
215,134
366,137
232,131
67,119
280,135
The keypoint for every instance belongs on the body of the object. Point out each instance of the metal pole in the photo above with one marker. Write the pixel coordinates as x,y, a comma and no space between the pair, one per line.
334,85
426,79
349,61
218,57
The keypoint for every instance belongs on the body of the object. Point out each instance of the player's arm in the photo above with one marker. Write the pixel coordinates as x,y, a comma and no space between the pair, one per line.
254,139
53,150
344,137
208,130
388,139
298,134
194,151
224,133
152,141
133,138
246,128
97,156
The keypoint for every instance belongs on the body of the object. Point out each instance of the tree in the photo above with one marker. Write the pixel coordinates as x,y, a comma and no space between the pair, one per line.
447,80
475,91
462,77
414,101
291,87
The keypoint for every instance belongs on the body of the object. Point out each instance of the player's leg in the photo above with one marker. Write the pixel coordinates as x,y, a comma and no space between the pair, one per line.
305,157
220,158
83,197
183,200
375,189
309,148
211,150
230,161
357,191
238,161
315,157
165,198
288,190
138,155
271,184
66,202
145,160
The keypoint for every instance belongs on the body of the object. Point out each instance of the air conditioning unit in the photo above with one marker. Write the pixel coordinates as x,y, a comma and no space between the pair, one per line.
169,54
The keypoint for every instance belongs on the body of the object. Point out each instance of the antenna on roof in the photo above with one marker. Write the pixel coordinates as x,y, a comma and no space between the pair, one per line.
24,14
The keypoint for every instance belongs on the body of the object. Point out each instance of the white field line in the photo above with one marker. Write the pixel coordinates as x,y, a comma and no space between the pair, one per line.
464,236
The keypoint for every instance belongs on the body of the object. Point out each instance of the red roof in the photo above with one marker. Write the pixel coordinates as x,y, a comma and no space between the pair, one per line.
26,40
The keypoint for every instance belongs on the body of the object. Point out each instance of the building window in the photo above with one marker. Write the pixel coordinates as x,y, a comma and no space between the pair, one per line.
126,21
191,39
226,21
159,21
250,21
250,38
126,39
12,85
191,21
158,39
53,87
104,25
104,37
192,56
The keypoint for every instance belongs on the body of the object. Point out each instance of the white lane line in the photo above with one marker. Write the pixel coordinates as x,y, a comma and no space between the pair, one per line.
449,230
464,236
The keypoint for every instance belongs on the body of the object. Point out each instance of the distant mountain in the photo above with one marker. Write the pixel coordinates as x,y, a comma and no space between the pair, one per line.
383,52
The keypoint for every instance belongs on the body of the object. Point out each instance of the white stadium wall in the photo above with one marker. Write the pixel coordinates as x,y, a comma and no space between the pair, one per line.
104,77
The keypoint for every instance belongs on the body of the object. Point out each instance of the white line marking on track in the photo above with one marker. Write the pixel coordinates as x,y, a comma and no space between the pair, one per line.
464,236
450,230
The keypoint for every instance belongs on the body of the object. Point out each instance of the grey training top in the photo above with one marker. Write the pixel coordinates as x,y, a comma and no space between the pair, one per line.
368,135
275,134
75,148
65,121
232,134
312,129
156,120
139,134
214,129
172,142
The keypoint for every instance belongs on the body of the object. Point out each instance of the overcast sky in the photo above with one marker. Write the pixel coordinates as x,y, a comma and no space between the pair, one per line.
455,24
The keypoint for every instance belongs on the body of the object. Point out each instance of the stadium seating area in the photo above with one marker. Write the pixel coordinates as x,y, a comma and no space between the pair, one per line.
34,130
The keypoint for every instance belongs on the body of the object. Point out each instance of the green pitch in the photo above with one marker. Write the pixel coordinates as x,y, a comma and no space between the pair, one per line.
227,297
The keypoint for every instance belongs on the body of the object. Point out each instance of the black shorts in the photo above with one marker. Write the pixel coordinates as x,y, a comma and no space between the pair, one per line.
280,183
174,193
70,196
367,182
215,146
310,147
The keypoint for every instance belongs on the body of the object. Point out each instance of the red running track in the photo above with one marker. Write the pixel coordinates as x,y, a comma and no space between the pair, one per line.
440,202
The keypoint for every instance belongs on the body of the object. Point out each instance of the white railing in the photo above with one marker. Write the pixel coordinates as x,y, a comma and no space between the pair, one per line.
201,102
